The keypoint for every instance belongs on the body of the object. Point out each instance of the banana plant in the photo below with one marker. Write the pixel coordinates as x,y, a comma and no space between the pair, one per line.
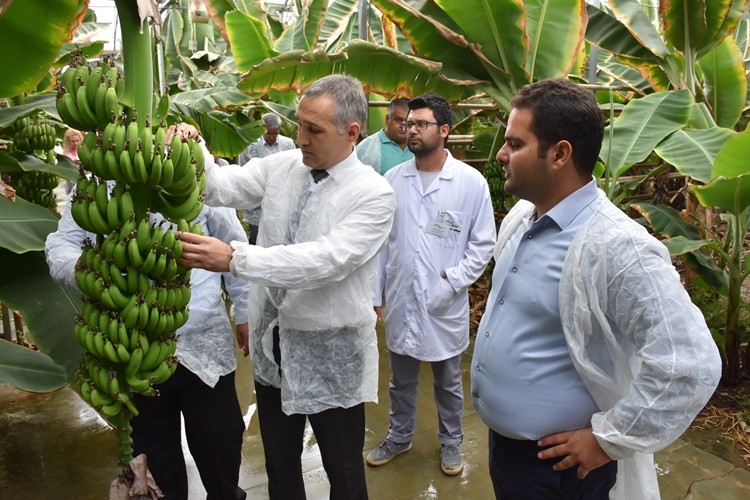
458,47
728,188
688,47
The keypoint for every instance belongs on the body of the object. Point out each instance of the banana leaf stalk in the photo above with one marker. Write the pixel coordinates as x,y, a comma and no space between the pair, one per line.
138,70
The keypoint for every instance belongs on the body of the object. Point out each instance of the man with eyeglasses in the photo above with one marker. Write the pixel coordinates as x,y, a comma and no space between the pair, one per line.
441,240
387,148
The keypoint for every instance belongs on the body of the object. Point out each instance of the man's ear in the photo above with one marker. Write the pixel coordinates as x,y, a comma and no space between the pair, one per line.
561,153
352,131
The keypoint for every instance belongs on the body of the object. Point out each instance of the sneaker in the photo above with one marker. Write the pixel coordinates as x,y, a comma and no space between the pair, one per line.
385,452
451,461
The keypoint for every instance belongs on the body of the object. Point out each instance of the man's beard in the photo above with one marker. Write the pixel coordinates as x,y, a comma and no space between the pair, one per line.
422,150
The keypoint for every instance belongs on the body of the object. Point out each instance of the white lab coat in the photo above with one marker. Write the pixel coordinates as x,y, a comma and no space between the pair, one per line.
641,347
425,275
314,282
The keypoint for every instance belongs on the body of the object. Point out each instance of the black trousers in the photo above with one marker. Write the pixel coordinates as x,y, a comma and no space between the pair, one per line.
340,433
213,426
517,474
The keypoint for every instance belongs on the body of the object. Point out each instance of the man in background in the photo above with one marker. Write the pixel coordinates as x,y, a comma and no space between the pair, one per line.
387,148
442,238
269,143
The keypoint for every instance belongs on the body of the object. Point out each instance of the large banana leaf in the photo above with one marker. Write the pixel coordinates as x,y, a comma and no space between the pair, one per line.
31,35
24,226
381,70
434,36
556,31
28,369
223,138
632,15
47,308
209,99
722,17
684,23
303,34
733,159
643,124
608,33
337,19
496,31
34,104
693,152
249,40
724,82
730,187
684,240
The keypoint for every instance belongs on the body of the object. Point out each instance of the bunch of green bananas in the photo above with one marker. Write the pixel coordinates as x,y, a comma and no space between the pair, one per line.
136,294
88,97
493,172
35,186
125,151
37,136
135,298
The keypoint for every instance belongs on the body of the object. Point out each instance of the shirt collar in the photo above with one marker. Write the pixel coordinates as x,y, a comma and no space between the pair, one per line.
384,138
347,162
568,209
445,173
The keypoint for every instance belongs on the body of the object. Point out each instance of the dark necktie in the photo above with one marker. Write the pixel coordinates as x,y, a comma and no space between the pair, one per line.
318,175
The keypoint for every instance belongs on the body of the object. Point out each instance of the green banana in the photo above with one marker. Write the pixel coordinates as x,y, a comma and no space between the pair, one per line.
139,164
101,197
87,114
152,358
127,168
111,106
134,254
97,219
143,236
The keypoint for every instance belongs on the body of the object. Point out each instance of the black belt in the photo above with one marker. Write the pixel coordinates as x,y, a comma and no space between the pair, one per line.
522,447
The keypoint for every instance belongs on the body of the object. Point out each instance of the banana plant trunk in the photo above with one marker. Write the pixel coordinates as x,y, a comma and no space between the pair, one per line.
138,68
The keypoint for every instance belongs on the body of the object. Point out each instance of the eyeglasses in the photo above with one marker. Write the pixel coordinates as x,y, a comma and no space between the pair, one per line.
420,124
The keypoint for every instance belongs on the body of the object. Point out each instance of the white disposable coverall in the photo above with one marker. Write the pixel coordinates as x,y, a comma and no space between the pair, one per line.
312,273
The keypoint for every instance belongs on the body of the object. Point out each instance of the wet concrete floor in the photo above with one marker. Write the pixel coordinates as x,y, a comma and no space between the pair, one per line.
53,446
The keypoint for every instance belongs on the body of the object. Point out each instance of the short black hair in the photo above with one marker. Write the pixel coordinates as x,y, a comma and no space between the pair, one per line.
562,110
439,106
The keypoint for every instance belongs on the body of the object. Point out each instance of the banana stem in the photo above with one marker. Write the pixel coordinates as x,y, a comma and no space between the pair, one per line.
138,69
137,57
123,429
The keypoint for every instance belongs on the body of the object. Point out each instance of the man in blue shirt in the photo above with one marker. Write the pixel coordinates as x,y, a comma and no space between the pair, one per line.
590,355
387,148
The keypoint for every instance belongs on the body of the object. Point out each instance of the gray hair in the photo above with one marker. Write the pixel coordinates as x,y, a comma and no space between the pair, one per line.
347,95
271,120
399,102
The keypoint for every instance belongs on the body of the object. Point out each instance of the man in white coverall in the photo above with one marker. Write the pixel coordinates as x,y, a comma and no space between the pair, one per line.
442,238
314,348
590,355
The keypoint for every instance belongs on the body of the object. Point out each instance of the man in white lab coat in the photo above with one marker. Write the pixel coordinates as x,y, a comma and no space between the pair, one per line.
441,240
